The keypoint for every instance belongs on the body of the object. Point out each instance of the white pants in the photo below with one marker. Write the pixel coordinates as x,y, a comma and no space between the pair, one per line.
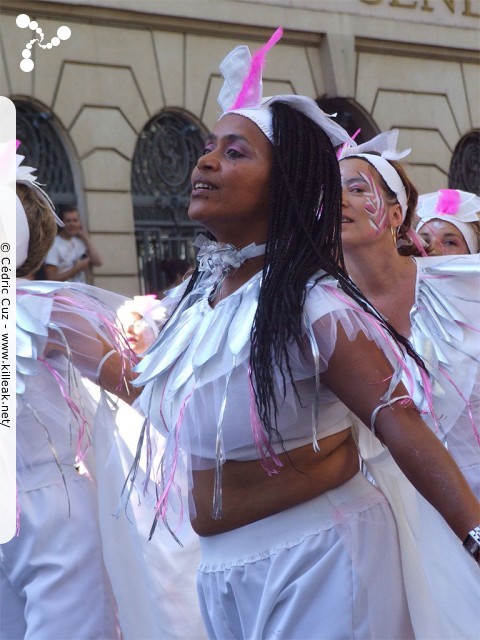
53,584
326,569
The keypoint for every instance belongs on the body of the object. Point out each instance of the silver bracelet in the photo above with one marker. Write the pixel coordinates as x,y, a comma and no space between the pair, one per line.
472,543
376,411
101,363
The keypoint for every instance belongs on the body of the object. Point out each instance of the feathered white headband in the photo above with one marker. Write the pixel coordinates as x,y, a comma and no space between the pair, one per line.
25,176
242,94
457,207
385,144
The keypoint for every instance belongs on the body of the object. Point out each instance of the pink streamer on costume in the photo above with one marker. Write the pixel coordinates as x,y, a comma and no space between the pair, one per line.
162,503
268,457
467,404
115,335
378,326
250,91
76,411
425,378
17,513
149,458
448,202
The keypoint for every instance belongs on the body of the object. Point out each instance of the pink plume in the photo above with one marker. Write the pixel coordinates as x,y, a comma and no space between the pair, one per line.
253,80
340,149
448,202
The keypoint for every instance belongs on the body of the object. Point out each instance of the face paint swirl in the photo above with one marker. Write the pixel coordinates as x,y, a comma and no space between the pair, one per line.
375,205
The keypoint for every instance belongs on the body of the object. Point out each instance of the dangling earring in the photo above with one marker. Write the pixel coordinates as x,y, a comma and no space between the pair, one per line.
394,231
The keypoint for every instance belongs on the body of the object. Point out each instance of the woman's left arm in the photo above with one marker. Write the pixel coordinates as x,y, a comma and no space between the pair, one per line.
359,375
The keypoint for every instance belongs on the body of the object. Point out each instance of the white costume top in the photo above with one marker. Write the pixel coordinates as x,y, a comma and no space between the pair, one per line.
65,253
198,386
445,331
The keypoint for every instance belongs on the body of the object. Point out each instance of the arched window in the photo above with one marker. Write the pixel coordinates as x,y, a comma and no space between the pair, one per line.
351,116
42,147
165,154
465,166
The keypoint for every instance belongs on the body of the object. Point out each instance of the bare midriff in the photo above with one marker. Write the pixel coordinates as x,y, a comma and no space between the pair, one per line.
250,494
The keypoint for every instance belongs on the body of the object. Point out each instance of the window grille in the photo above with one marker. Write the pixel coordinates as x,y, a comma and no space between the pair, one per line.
166,152
465,166
42,147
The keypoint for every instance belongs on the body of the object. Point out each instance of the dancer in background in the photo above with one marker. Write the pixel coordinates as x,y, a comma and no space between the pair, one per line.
449,222
53,581
270,349
434,302
141,319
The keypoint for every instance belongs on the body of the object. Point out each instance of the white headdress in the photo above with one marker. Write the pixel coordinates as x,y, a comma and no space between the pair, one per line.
242,94
149,307
25,176
384,144
457,207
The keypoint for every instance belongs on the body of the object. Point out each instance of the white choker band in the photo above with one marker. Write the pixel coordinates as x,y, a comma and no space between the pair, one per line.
218,259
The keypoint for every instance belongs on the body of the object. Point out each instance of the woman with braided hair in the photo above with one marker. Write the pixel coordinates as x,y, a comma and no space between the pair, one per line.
271,349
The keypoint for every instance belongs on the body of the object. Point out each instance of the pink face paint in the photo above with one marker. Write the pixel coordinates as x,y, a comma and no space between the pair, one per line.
375,205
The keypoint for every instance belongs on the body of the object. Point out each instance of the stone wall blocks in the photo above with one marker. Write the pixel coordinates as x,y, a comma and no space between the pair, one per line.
110,211
102,127
101,86
106,169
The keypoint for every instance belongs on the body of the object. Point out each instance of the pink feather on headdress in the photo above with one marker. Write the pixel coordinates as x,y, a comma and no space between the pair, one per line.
253,82
345,145
448,202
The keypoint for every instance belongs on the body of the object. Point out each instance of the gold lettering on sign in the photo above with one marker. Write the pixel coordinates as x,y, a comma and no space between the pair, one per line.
426,6
468,10
396,3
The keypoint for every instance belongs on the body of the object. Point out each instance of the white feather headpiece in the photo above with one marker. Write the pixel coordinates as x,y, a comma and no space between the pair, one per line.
242,90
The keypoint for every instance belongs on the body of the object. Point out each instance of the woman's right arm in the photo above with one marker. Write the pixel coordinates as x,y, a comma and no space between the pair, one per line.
359,375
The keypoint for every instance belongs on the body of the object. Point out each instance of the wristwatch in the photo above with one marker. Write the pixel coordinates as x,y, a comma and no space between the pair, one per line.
472,543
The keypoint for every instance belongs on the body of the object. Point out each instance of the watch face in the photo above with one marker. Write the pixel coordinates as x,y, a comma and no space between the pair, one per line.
472,543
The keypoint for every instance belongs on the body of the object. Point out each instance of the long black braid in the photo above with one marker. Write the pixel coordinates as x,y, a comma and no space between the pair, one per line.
304,237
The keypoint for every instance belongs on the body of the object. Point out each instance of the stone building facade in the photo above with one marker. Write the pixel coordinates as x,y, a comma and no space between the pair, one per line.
115,115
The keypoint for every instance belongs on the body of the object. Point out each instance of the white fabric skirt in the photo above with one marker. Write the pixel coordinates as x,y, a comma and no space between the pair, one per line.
53,583
326,569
